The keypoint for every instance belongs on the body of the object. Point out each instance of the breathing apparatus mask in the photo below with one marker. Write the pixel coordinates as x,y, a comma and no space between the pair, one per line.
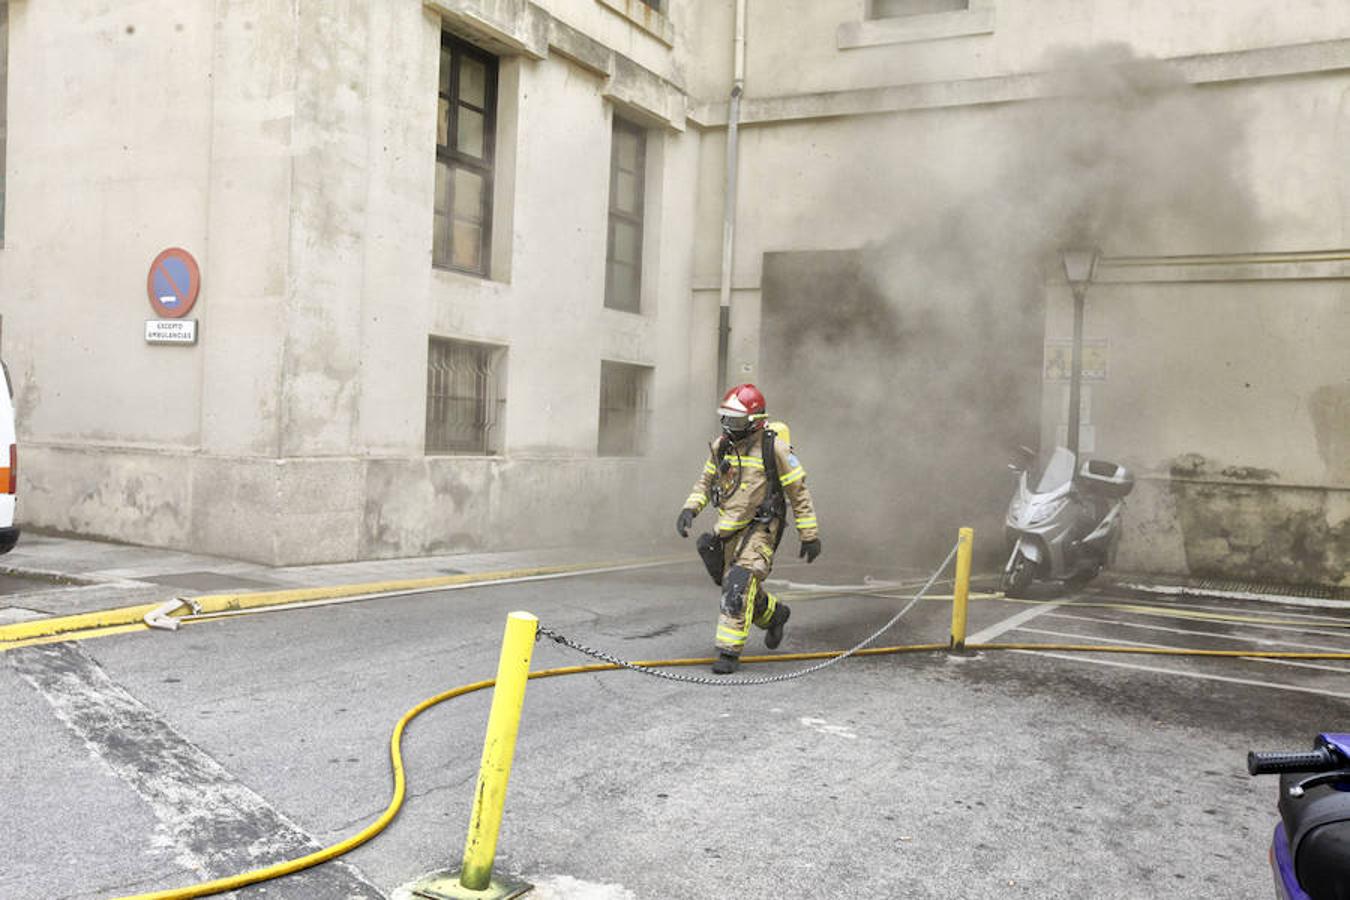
736,427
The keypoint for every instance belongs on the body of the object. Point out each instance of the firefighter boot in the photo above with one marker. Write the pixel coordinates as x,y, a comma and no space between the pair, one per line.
726,663
773,636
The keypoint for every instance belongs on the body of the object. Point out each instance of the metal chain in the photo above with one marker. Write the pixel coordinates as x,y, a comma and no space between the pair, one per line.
610,658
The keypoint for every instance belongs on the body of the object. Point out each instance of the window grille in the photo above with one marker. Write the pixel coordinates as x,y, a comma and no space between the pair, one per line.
466,125
625,409
465,404
627,164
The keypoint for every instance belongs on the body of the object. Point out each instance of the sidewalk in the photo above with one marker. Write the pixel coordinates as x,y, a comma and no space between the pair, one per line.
53,576
62,576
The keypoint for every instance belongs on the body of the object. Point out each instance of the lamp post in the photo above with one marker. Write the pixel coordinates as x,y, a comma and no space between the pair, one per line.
1079,265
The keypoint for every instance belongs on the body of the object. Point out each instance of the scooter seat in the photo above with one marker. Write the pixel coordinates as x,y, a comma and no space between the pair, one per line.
1318,826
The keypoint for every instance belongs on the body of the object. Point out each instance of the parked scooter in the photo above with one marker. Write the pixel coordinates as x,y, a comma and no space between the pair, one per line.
1067,529
1310,852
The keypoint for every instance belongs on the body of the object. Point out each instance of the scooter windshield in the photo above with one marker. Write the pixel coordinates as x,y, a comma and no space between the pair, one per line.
1058,471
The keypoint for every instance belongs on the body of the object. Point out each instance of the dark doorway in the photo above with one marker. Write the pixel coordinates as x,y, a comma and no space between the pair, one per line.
905,410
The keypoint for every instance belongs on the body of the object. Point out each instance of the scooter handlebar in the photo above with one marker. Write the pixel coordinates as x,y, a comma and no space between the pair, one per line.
1320,760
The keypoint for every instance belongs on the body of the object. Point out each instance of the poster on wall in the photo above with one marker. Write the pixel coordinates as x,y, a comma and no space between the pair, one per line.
1059,359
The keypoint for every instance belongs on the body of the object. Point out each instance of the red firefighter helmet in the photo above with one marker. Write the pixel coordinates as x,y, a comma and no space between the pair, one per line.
742,411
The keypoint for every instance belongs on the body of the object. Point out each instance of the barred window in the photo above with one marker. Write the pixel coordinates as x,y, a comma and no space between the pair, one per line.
466,125
625,408
627,163
886,9
465,402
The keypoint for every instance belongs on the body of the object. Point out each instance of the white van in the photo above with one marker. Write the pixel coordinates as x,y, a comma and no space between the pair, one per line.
9,467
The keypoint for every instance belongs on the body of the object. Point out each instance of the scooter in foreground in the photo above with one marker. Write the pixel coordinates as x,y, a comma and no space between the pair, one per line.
1067,528
1310,852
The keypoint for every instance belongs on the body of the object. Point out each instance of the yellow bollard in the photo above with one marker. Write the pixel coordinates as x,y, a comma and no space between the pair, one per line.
489,797
508,696
962,591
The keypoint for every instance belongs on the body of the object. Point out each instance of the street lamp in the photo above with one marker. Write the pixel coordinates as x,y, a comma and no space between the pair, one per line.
1079,265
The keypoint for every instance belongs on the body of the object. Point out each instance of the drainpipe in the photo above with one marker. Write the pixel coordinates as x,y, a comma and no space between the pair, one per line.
729,203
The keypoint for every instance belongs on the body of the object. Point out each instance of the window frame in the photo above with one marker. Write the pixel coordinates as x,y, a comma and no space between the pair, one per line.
639,426
635,219
874,12
649,16
489,398
442,256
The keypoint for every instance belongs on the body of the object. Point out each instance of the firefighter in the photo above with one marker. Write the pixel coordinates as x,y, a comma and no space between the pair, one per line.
750,477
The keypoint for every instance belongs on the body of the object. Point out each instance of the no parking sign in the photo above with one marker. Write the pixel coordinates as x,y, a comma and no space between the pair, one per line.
173,283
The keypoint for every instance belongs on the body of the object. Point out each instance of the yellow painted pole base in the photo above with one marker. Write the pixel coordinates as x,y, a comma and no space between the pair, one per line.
446,886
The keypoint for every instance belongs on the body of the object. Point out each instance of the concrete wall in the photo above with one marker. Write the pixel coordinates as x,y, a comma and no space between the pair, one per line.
289,146
925,141
812,46
290,149
1232,400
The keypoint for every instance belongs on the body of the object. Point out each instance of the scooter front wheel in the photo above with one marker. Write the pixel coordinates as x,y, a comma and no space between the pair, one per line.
1018,578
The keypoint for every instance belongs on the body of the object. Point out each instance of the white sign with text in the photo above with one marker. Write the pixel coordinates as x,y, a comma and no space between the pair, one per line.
171,331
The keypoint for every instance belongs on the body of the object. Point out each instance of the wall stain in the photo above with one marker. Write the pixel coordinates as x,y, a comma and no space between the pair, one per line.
1257,531
1193,465
426,511
1329,407
27,398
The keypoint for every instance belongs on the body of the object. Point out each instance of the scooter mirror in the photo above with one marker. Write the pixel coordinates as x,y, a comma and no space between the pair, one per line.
1025,458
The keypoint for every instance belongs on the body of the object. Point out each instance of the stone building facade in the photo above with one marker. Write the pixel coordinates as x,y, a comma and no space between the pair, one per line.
463,262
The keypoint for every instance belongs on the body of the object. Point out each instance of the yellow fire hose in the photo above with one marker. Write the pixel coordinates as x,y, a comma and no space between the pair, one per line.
396,739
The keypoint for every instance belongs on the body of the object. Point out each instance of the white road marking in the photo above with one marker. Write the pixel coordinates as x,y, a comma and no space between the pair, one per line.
1265,642
1088,638
1312,618
1250,682
825,728
1285,614
1306,664
215,825
565,887
1014,621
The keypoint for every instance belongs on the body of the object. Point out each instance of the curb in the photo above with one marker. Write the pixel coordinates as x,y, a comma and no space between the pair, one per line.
134,616
1257,595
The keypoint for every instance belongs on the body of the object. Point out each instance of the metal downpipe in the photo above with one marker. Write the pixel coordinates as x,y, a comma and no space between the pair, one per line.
729,201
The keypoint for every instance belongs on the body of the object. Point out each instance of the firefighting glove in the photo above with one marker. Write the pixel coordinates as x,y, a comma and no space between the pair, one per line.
684,522
810,550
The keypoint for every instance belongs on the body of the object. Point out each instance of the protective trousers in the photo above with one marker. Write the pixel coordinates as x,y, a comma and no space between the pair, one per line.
747,560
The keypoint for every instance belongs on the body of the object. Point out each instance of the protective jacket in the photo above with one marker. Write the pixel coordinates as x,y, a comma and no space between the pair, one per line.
736,480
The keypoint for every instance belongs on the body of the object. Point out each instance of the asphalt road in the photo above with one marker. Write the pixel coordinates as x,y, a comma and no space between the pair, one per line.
150,761
18,584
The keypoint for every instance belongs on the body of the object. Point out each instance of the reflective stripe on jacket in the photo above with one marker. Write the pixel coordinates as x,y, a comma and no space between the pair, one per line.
744,485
